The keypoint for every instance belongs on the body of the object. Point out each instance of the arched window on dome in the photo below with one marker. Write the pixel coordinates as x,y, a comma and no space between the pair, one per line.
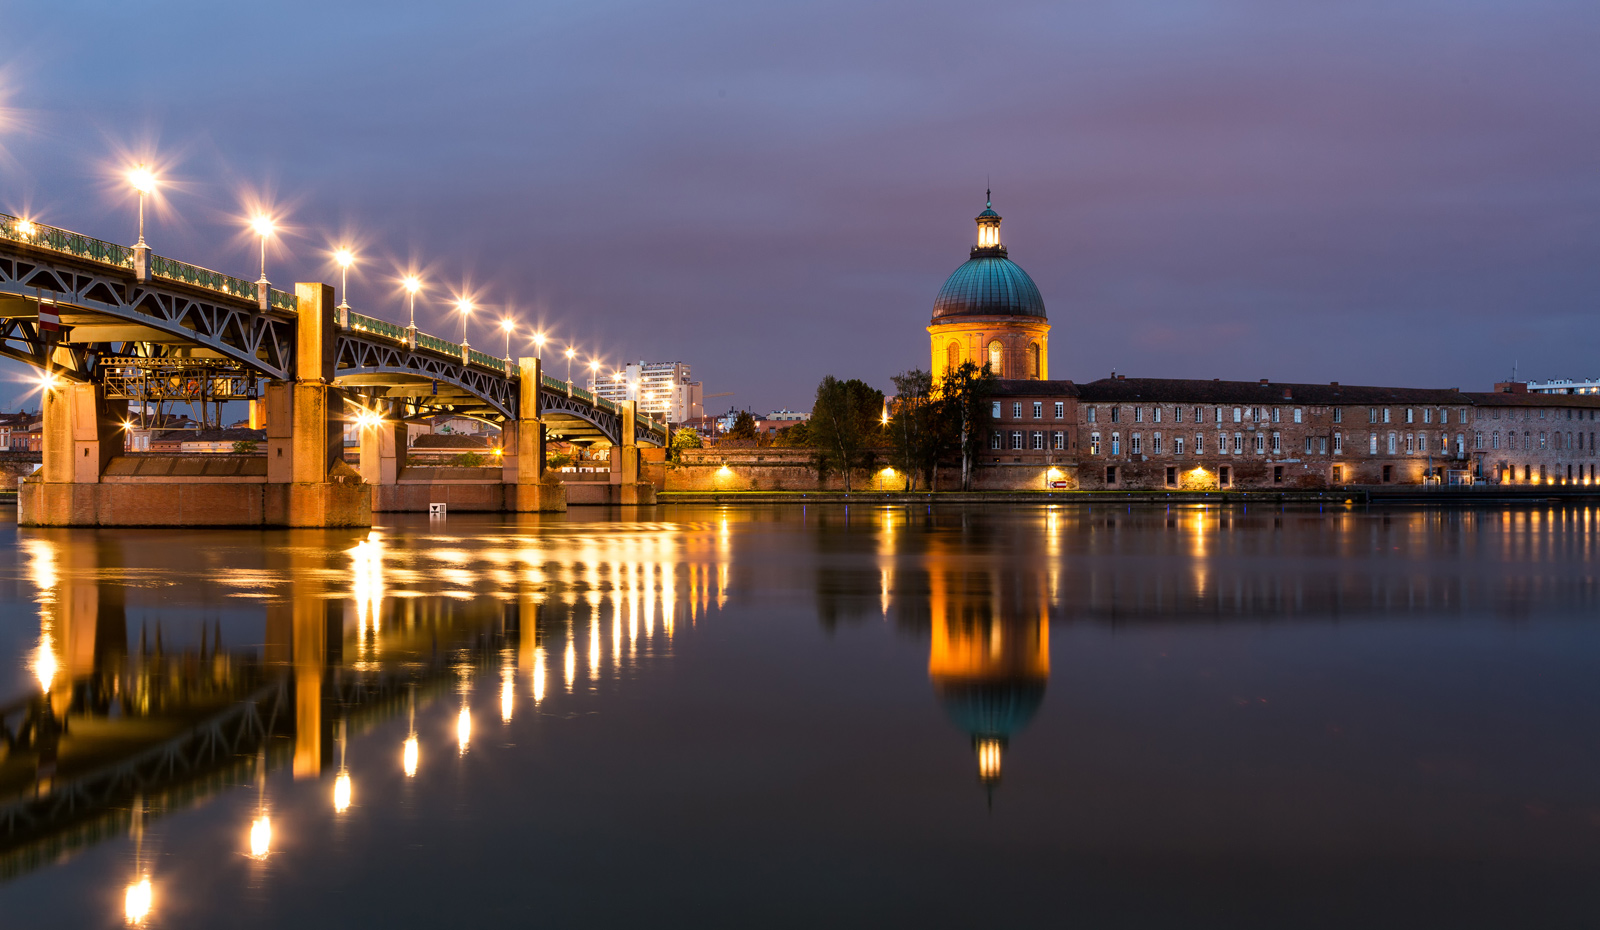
952,356
1033,360
996,353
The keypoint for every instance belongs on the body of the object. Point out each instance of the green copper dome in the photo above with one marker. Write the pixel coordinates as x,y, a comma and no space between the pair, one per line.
988,284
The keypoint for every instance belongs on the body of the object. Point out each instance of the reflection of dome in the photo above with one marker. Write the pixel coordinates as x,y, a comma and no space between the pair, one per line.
988,284
992,709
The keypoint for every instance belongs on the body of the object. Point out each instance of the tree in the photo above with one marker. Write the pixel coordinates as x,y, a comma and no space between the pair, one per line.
961,401
744,426
793,436
914,430
244,447
684,439
845,425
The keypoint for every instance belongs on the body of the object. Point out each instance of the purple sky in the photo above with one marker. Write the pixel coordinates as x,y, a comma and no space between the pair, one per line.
1378,192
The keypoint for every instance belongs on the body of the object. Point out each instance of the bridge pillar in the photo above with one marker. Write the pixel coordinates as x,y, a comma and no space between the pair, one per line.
82,432
527,491
625,461
382,448
309,483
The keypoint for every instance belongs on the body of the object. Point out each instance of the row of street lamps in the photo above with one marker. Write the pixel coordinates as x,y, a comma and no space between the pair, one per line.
144,181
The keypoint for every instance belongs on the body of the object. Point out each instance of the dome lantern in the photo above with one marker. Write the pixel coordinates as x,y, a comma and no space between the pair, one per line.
988,230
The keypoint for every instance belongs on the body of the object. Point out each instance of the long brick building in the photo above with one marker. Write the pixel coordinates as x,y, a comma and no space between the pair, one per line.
1151,433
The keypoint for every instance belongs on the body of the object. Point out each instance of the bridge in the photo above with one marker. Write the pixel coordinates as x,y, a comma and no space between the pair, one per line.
106,324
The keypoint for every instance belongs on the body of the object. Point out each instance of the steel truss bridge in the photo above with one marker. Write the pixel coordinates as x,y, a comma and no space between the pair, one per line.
135,329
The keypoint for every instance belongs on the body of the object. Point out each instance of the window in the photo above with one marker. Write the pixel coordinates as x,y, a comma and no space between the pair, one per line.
1387,473
1155,414
1494,440
1116,414
1094,443
995,355
994,409
1177,414
1091,412
1409,443
1386,414
1422,443
1372,443
1409,417
1199,443
1138,414
1038,410
995,439
1261,443
1219,414
1033,361
1177,445
1461,444
1238,443
1391,445
1059,440
1322,445
1372,414
1116,444
1338,444
1111,474
1297,414
1224,476
1542,443
1038,440
1338,414
1275,414
1277,444
1172,477
1277,474
1308,445
1427,414
1155,444
1016,440
1477,440
1444,415
1016,410
1061,409
1338,474
952,355
1238,415
1135,443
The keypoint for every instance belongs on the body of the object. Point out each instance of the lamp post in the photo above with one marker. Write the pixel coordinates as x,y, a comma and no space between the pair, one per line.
345,258
264,228
412,284
570,353
507,325
538,346
594,373
464,307
143,181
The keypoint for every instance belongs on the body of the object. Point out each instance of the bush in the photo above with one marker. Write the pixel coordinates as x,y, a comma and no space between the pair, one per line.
467,460
245,447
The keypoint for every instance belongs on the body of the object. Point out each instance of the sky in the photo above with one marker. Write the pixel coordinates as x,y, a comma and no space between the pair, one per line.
1400,193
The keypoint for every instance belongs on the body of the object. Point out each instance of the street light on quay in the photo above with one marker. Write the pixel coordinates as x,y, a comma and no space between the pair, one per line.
345,258
143,181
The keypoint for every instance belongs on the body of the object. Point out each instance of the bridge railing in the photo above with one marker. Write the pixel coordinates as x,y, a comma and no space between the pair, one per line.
67,242
367,324
487,361
60,240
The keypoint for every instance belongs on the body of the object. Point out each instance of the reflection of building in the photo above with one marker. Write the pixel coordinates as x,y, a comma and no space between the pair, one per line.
989,658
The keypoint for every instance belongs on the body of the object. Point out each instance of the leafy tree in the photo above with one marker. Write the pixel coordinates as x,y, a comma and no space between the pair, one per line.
845,425
467,460
793,436
244,447
961,409
914,430
684,439
744,426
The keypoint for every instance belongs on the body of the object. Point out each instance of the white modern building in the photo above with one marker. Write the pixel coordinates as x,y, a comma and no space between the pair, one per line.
661,388
1564,386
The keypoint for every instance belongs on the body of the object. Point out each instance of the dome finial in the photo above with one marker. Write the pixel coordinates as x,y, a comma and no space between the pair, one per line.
988,194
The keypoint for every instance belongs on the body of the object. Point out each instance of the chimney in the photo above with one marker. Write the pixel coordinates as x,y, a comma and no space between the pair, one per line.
1265,381
1122,377
1333,384
1288,394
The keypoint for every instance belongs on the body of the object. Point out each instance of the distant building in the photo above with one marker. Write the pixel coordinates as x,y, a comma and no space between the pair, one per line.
661,388
206,441
787,415
15,424
1564,386
439,448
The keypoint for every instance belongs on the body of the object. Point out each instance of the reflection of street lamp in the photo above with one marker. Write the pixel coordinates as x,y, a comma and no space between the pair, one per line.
261,827
408,755
143,181
341,784
137,899
345,259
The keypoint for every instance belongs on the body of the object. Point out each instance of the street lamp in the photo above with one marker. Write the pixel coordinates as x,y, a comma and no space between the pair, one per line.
412,284
345,258
143,181
570,353
594,373
464,307
508,324
264,228
538,346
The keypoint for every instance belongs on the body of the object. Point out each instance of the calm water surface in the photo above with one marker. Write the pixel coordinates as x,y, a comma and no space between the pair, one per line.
880,717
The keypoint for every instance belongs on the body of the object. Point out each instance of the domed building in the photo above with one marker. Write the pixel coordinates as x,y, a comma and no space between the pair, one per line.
989,312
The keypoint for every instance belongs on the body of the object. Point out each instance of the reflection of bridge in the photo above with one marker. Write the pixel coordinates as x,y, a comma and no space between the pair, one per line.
104,321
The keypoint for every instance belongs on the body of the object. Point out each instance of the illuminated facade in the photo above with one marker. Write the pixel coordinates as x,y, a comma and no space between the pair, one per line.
989,312
663,389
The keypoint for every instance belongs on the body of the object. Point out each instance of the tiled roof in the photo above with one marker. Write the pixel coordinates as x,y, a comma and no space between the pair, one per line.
1179,390
1501,399
210,435
1005,387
